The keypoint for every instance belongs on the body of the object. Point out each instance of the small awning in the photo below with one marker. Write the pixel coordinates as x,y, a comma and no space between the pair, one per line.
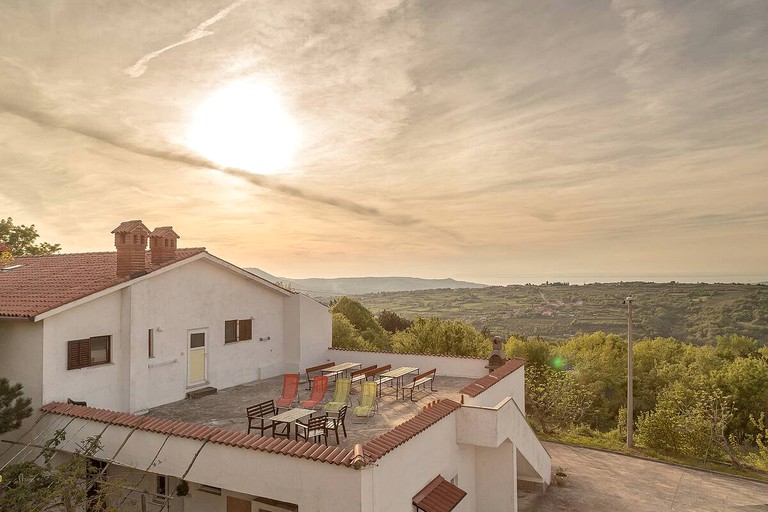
439,495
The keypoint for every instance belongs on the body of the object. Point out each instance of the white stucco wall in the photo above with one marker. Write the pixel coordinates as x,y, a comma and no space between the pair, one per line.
445,365
21,346
103,385
402,473
316,334
202,295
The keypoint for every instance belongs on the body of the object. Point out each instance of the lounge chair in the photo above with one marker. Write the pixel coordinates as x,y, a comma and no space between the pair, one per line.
290,391
319,387
312,429
340,396
367,407
333,424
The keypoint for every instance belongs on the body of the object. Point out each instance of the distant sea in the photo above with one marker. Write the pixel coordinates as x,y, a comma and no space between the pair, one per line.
616,278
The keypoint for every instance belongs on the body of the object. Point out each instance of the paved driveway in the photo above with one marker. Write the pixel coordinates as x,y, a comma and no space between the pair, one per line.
599,481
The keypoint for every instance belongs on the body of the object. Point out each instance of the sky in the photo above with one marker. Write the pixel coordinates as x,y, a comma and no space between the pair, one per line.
481,140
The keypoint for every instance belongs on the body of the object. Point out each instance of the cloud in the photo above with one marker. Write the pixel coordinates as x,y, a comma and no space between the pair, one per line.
195,161
196,33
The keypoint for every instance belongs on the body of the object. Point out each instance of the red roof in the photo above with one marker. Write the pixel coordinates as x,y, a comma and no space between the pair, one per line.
439,495
305,450
492,378
42,283
388,441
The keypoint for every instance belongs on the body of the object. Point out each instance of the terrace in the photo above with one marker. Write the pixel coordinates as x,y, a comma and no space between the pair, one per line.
226,409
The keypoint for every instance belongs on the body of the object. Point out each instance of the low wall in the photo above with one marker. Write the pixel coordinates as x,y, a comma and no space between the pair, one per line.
446,365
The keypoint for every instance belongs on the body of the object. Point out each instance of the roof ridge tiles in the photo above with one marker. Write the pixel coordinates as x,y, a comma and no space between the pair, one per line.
388,441
486,381
337,455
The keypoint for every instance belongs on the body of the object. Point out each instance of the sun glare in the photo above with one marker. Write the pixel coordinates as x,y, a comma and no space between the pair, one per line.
245,125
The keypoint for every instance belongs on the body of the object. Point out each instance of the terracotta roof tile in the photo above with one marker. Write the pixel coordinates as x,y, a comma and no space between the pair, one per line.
492,378
43,283
388,441
439,495
312,451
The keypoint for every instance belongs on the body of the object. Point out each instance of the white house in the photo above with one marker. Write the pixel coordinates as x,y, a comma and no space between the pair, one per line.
132,330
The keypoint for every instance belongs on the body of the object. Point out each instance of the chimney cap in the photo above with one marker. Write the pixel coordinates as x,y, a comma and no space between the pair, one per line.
164,231
129,226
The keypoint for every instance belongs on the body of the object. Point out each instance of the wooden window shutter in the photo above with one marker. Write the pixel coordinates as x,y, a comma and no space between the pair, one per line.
230,331
245,330
78,354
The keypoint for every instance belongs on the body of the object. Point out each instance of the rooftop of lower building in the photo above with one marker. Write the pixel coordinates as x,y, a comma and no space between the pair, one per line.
226,408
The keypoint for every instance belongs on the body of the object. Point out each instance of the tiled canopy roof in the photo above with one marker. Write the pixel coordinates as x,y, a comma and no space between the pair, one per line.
492,378
313,451
42,283
388,441
439,495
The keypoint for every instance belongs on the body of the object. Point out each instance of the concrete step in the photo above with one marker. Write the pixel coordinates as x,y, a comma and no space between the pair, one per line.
199,393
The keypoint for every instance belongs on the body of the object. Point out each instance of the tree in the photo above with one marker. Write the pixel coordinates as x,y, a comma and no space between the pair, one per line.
554,398
535,351
393,322
435,336
364,322
76,484
344,335
599,363
21,239
14,407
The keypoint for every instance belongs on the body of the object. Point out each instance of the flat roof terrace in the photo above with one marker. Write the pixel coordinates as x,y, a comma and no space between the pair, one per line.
226,409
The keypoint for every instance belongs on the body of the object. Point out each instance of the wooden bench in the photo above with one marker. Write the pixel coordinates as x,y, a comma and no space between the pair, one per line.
421,380
380,380
319,368
260,417
360,374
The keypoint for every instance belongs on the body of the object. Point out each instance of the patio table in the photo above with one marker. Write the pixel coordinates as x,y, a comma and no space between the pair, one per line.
342,368
287,418
398,374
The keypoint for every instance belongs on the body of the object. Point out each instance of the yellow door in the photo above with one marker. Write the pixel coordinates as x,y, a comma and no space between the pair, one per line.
196,360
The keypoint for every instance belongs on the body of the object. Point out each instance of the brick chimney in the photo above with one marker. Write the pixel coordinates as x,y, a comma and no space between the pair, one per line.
131,243
162,244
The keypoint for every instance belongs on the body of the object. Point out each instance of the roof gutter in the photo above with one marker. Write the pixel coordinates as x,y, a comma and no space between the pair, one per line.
29,318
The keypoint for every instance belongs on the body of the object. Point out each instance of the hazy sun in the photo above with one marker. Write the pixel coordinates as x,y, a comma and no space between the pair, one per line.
245,125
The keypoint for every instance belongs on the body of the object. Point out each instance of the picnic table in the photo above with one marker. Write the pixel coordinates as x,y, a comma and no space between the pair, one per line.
397,375
288,417
341,368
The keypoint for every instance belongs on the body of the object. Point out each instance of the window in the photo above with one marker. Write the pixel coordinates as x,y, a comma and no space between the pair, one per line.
162,485
151,343
238,330
88,352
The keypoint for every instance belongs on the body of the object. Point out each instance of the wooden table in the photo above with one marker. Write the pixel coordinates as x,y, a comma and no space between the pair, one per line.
398,374
342,368
287,418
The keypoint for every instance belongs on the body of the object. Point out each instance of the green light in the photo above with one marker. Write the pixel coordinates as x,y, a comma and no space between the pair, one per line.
558,363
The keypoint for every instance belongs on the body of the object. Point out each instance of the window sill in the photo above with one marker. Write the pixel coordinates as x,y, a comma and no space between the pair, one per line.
92,367
162,363
235,342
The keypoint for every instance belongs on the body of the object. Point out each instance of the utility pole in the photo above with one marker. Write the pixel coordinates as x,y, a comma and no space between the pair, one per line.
630,401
